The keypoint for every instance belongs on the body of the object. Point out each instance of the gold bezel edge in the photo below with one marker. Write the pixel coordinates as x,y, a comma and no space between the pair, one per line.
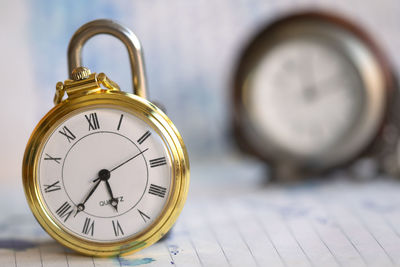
169,215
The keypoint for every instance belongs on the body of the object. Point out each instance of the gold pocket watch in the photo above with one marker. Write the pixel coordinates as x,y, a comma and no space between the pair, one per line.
105,172
311,92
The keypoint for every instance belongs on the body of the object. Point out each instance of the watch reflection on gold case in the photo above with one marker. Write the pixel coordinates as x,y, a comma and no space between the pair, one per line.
105,172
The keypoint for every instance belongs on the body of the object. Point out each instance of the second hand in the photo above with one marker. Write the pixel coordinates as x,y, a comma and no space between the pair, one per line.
126,161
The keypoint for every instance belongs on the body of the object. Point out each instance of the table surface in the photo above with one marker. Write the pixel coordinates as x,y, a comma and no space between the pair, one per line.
234,218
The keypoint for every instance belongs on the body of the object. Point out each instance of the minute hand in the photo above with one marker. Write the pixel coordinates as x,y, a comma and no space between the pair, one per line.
91,192
126,161
81,206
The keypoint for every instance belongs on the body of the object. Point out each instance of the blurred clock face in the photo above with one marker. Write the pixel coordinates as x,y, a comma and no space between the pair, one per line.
305,96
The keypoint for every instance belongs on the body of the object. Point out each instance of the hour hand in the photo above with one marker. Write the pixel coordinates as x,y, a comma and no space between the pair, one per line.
113,201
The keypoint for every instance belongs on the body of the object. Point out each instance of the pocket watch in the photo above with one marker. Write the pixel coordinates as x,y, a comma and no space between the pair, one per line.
105,172
311,92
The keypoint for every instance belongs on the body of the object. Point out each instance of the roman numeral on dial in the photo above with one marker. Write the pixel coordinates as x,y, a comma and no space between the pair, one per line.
93,121
64,211
143,215
158,162
67,133
48,157
52,187
144,137
120,121
117,228
157,190
88,227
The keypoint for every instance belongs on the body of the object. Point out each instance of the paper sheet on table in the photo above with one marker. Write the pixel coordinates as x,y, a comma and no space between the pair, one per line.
334,223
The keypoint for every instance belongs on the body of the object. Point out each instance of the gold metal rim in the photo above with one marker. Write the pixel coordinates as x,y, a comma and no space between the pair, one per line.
159,122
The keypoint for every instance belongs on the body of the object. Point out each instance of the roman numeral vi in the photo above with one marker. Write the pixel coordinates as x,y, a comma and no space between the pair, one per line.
88,227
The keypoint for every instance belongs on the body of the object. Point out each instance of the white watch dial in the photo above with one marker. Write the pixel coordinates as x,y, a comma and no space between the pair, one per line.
305,96
104,174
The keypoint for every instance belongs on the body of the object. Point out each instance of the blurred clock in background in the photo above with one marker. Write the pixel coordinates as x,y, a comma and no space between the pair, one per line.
311,92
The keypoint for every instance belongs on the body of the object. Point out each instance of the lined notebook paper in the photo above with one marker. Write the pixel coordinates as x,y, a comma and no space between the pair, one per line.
228,222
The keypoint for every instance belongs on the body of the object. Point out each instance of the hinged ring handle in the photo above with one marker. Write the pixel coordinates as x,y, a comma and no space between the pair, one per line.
132,43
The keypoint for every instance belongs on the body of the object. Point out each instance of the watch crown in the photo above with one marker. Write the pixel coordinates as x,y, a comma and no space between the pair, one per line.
80,73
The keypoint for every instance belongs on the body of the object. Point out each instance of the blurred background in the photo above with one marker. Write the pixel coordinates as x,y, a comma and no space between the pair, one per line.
196,62
191,49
